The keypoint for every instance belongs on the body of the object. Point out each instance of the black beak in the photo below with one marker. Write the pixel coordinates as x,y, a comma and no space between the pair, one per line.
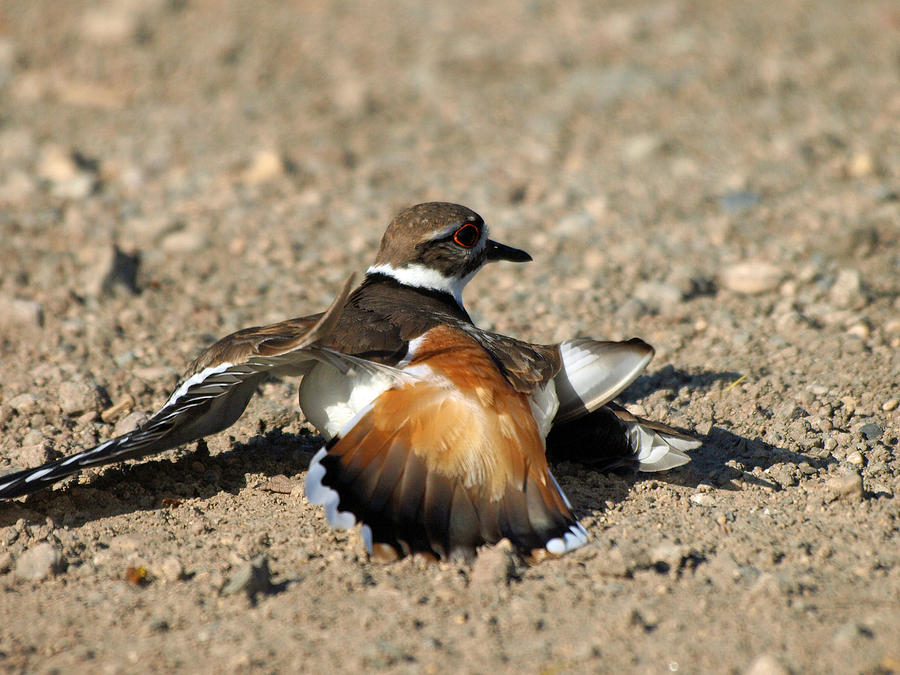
497,251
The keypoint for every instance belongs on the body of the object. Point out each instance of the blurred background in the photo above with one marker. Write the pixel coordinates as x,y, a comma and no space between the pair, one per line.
207,133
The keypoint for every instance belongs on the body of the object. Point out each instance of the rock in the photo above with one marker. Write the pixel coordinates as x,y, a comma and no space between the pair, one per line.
183,241
250,578
280,484
766,664
632,309
890,404
76,398
56,165
17,312
77,187
856,459
847,290
859,330
702,499
109,25
35,454
640,146
124,543
860,165
494,566
125,404
737,201
575,224
849,633
39,562
24,404
130,422
17,187
668,557
265,166
871,431
657,295
61,169
751,278
171,569
5,562
848,486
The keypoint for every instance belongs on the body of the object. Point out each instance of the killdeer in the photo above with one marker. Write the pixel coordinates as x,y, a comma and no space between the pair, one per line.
436,431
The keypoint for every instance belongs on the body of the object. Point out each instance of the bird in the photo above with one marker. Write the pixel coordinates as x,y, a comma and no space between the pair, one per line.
436,432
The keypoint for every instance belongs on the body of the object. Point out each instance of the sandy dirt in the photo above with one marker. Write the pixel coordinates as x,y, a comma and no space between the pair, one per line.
720,179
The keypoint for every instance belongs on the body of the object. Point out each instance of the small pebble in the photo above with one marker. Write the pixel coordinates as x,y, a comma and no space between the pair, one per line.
39,562
171,569
280,484
751,278
125,404
890,404
184,241
610,562
860,330
35,454
850,632
266,166
125,544
860,165
109,25
856,458
76,398
494,567
19,312
766,664
130,422
656,295
849,485
251,578
632,309
668,557
24,404
737,201
703,499
871,431
846,290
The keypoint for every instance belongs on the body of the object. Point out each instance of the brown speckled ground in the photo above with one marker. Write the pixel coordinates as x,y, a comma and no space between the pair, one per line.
251,154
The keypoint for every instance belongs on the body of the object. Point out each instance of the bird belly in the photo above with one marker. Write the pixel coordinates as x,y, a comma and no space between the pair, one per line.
330,400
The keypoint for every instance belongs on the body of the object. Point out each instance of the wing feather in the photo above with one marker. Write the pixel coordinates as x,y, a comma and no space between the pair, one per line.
211,398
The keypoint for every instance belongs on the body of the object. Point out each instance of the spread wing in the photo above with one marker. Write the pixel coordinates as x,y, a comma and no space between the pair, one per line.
213,396
446,460
610,436
525,365
594,372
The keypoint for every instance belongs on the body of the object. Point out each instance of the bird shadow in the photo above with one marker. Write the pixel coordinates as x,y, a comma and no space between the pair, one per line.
166,482
725,459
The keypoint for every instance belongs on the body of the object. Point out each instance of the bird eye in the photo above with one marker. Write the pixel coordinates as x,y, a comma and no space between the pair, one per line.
467,235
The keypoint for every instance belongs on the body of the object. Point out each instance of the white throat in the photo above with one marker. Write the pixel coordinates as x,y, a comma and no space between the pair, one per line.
419,276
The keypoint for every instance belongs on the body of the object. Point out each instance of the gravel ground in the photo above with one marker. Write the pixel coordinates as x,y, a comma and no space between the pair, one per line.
720,179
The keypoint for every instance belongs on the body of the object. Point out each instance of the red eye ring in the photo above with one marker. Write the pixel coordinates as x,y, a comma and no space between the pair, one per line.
467,235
